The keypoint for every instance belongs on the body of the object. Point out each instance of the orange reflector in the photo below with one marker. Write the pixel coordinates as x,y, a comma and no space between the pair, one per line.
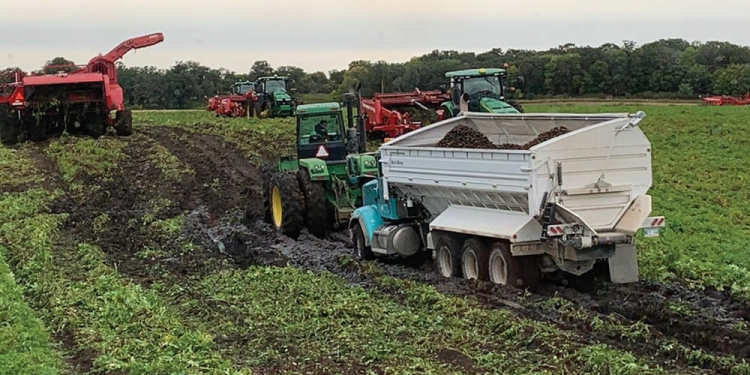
18,97
387,140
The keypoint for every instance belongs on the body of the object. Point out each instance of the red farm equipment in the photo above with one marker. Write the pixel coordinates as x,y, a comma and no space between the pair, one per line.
394,114
82,101
722,100
240,103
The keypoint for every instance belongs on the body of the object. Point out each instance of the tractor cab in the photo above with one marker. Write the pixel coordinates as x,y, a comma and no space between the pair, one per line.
321,133
273,96
242,88
485,89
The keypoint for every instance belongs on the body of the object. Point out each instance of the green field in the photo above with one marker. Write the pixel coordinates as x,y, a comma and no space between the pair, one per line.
110,265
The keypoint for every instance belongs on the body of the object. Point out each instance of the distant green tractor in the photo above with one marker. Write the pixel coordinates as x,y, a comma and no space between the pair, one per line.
484,89
273,97
322,186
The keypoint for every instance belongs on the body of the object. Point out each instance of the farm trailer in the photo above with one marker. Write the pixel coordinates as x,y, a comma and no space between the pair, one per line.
511,216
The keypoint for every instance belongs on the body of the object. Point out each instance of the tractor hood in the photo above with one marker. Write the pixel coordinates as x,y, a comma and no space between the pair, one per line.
280,95
491,105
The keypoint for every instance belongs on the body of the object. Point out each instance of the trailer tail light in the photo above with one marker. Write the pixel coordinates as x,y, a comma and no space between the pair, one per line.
651,226
555,230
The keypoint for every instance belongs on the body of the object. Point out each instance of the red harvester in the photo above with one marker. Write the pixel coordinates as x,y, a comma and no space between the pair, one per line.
79,101
726,100
241,103
388,114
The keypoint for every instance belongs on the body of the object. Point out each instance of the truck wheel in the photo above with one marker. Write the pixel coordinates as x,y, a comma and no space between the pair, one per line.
505,269
475,260
448,255
286,205
361,250
315,204
124,123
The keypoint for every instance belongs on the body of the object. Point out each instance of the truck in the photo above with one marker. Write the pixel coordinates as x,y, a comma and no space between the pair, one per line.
273,97
320,186
486,89
513,216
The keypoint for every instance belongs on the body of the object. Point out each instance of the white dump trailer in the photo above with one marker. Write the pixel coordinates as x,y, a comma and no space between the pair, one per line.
511,215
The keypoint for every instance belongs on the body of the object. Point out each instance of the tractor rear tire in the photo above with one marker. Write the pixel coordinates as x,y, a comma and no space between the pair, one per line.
286,204
10,127
516,272
315,204
124,123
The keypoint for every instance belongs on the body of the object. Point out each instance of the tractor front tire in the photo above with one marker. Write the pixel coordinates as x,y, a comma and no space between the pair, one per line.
315,204
286,204
124,123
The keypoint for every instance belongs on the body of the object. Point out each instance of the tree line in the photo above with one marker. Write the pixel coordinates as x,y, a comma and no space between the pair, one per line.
668,68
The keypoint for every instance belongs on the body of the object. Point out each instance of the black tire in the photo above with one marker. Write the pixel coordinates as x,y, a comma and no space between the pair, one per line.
517,272
315,213
10,127
267,172
124,123
361,250
448,255
289,221
94,125
37,130
475,260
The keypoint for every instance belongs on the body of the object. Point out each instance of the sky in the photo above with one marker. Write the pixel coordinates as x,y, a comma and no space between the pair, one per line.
328,34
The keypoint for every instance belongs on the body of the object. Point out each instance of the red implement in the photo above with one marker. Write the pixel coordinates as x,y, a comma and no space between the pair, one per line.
79,101
387,115
722,100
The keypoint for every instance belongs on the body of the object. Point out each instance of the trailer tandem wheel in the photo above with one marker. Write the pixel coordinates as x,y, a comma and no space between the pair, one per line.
448,255
505,269
475,259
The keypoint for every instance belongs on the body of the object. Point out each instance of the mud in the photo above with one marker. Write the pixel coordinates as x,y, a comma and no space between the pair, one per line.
223,210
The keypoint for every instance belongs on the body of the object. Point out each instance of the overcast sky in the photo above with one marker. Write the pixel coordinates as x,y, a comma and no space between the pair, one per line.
328,34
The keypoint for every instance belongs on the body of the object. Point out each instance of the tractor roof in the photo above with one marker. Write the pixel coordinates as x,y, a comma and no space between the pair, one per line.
474,72
273,78
318,108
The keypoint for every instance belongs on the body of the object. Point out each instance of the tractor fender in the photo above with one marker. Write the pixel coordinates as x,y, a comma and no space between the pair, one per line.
369,219
317,168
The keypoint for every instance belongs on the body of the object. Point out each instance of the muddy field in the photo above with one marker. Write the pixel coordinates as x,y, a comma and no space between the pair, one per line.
208,183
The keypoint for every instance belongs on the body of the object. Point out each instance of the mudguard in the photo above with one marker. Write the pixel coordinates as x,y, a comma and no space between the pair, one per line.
369,219
317,168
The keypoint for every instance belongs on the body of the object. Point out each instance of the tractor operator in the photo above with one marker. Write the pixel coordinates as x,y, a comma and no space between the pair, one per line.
321,129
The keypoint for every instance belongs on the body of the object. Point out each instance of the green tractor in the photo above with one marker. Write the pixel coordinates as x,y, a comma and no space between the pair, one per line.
484,90
273,97
322,186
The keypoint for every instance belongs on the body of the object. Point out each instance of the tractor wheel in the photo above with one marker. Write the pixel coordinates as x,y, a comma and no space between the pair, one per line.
475,260
517,272
9,126
94,125
315,204
267,172
448,255
361,250
124,123
286,204
37,130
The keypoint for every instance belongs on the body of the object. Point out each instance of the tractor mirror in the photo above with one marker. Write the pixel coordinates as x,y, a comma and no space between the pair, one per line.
520,82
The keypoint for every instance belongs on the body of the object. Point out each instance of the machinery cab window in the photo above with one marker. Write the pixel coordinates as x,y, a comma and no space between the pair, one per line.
320,128
275,85
487,86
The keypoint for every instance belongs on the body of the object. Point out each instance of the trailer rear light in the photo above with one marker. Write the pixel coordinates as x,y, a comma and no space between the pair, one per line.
651,226
555,230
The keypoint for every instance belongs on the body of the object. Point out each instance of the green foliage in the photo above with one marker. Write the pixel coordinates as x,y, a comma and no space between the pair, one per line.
25,347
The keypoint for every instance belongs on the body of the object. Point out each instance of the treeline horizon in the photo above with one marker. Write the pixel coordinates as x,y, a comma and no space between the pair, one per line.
664,69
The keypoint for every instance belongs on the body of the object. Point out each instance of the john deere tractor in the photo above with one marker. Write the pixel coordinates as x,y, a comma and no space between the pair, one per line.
273,97
322,186
485,89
